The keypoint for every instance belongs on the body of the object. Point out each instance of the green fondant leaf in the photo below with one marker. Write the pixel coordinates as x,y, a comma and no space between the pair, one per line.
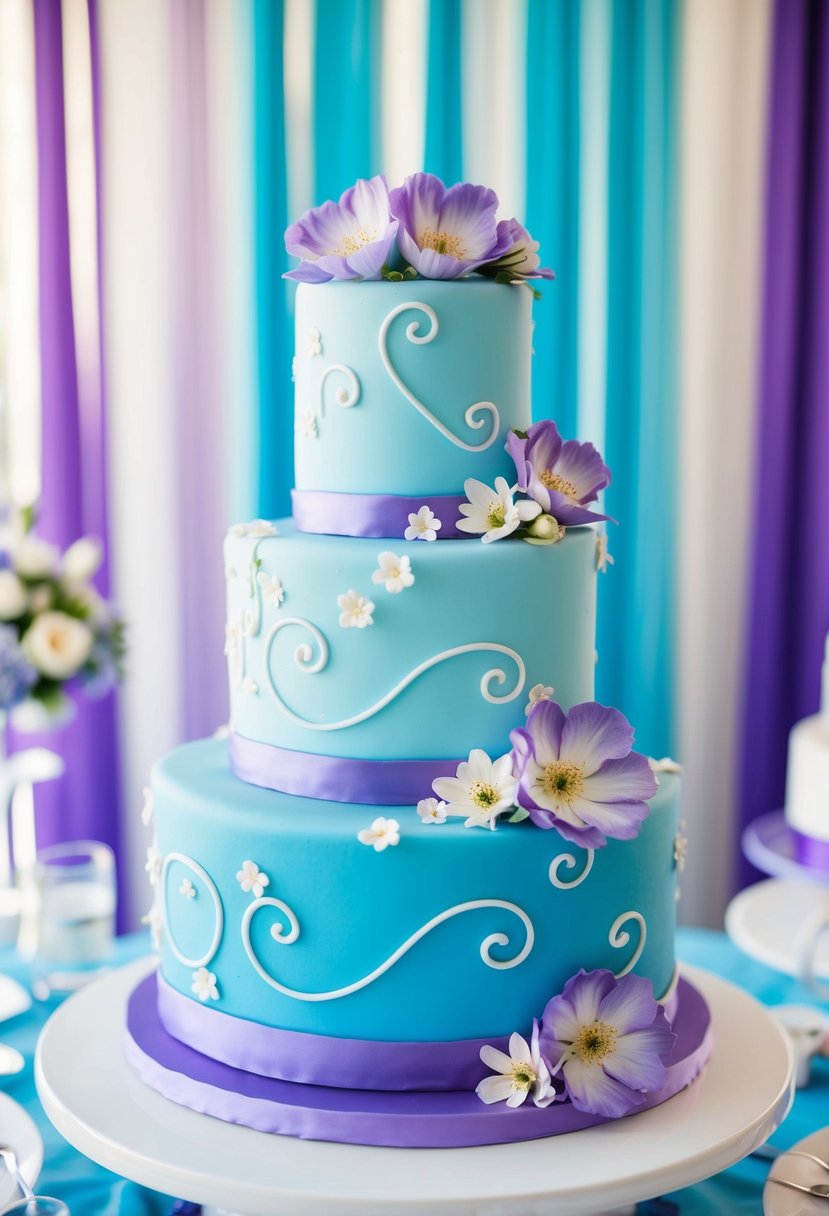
518,815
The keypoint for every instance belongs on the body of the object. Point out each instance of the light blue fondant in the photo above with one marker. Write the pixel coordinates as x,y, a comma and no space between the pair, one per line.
500,600
355,907
382,444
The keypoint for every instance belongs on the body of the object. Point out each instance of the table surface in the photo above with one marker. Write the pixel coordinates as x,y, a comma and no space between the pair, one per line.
90,1190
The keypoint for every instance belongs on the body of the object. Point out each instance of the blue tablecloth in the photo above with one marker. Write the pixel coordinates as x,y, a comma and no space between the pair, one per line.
92,1191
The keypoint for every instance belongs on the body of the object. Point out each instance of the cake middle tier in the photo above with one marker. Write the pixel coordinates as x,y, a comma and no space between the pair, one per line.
330,653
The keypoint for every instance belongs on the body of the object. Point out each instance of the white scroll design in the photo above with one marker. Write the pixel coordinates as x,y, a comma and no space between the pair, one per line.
345,397
473,414
278,934
205,959
569,862
304,659
619,938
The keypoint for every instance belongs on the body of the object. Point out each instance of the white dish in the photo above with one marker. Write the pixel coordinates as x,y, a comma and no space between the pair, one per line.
14,999
771,920
780,1200
18,1130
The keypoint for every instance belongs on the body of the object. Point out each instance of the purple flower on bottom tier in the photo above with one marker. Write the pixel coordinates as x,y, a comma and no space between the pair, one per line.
350,239
576,773
561,477
610,1039
520,259
446,233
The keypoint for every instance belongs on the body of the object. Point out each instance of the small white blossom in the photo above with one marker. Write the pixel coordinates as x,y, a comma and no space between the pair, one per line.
187,889
394,572
482,790
257,528
294,362
493,513
204,985
34,558
148,809
273,592
424,525
82,559
665,765
252,879
57,644
153,864
314,343
680,848
521,1074
13,598
155,923
233,636
381,834
539,692
230,573
307,425
356,610
251,687
603,558
431,811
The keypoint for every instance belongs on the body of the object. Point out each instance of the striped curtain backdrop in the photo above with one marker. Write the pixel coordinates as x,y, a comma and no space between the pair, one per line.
633,138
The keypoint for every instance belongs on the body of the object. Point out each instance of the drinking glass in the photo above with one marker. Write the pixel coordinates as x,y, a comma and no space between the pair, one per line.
38,1205
75,894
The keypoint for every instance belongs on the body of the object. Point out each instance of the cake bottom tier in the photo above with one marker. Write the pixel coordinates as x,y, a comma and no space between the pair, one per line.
424,1119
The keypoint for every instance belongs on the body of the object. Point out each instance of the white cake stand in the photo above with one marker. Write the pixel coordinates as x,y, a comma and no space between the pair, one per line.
777,922
92,1097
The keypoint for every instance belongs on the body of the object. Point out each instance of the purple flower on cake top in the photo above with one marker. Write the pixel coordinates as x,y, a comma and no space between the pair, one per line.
576,772
520,259
445,233
609,1039
351,239
562,477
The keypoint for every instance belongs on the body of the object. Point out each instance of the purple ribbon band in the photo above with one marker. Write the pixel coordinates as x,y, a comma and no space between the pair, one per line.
811,852
379,515
336,778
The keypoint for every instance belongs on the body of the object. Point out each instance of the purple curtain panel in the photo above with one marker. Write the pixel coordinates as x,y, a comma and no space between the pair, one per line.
789,606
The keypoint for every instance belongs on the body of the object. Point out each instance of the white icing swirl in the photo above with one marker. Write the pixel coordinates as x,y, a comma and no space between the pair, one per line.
619,938
205,959
344,397
569,862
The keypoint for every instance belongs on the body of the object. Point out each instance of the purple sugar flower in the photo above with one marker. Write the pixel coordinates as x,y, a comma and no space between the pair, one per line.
446,233
610,1039
17,674
520,260
350,239
561,477
576,773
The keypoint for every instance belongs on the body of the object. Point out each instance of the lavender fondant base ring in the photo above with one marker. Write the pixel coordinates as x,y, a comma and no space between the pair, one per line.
423,1119
776,848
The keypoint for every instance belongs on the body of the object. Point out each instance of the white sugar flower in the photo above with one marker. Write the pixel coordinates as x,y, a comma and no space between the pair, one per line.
307,425
395,572
13,598
539,692
204,985
294,363
251,687
314,343
82,559
680,849
153,864
273,592
154,922
356,610
148,809
57,644
603,558
482,790
233,636
665,765
252,879
431,811
521,1074
257,528
381,834
187,889
35,558
493,512
423,526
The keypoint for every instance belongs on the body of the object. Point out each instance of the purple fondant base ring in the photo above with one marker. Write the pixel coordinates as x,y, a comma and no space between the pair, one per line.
422,1119
774,847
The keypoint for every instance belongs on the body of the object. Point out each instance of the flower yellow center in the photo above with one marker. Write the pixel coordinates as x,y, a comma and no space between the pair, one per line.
523,1075
565,781
57,641
496,515
355,241
554,481
594,1042
442,242
483,795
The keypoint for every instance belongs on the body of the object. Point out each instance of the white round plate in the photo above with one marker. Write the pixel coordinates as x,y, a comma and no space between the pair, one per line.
780,1200
770,920
731,1109
19,1131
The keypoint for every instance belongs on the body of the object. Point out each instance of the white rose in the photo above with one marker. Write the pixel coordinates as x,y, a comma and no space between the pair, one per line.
82,559
13,599
35,558
57,644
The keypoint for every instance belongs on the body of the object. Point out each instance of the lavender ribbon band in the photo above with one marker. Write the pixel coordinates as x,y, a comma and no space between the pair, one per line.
378,515
412,1119
811,852
336,778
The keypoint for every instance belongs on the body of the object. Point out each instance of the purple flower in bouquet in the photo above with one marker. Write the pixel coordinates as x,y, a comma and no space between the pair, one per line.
520,259
609,1039
17,674
562,477
445,233
351,239
576,772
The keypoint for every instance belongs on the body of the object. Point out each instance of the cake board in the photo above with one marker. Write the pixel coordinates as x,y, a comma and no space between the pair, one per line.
100,1106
